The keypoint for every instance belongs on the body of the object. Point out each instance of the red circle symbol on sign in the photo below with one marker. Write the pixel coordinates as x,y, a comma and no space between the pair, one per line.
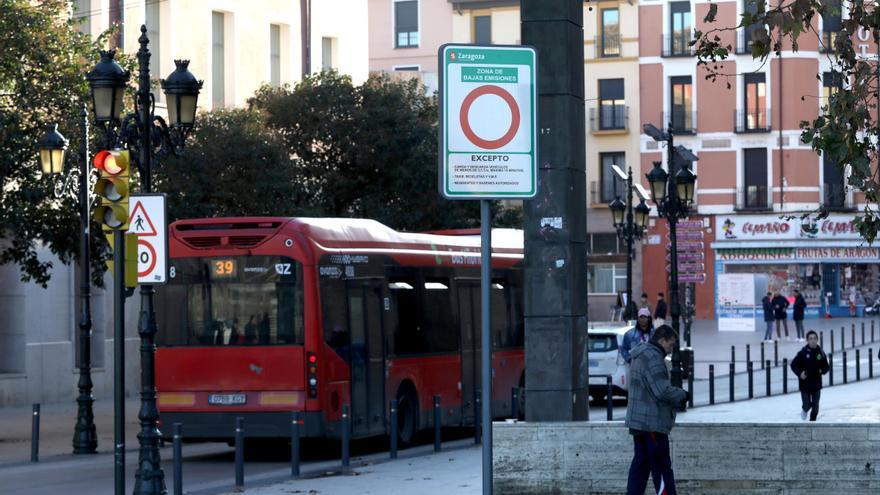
489,144
152,251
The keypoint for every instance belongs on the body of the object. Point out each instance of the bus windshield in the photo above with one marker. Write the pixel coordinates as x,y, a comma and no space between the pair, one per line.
228,301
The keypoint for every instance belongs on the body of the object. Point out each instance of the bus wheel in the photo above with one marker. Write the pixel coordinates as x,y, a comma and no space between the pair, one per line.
407,415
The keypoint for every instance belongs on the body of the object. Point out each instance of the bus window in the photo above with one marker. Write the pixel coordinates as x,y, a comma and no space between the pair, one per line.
405,325
500,295
437,323
333,308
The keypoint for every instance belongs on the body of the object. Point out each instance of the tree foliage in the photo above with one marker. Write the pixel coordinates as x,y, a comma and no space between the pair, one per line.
43,61
848,124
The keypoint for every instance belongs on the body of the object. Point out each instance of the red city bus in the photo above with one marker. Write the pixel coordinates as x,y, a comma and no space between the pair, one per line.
264,316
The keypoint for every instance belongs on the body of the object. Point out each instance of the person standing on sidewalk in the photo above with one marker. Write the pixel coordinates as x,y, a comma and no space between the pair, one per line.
637,334
650,414
660,311
780,314
800,304
809,365
768,317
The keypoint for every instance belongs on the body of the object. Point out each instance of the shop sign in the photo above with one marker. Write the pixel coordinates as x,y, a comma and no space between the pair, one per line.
838,253
769,254
772,227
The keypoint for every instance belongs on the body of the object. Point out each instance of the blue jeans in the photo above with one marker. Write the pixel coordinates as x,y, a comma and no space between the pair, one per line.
768,334
810,403
799,324
651,457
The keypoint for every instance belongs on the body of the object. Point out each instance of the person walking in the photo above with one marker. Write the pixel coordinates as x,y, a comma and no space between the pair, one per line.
768,317
780,314
643,302
637,335
650,414
809,365
800,304
660,311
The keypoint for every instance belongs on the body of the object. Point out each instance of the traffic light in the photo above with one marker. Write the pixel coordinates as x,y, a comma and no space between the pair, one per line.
131,265
112,189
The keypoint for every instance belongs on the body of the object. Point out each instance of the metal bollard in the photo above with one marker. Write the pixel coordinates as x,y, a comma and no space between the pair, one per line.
239,453
711,384
872,331
784,375
767,378
821,339
842,338
870,362
478,417
731,382
844,367
831,369
831,338
294,444
775,353
858,367
748,353
393,450
733,356
762,353
751,380
35,434
437,421
346,433
852,339
609,400
514,402
690,390
863,333
178,458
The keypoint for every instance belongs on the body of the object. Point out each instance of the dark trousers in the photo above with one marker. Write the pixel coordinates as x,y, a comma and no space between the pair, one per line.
651,457
810,402
783,322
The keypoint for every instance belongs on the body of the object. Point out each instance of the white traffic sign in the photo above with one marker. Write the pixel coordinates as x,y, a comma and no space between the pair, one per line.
147,220
488,122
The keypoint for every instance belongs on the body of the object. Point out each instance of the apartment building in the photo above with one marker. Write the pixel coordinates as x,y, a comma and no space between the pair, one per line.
753,168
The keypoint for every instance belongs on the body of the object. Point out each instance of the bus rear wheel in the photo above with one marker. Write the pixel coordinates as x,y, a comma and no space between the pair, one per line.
407,416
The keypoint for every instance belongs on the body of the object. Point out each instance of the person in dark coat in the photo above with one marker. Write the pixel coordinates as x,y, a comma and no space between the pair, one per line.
650,414
768,317
780,313
809,365
660,310
800,304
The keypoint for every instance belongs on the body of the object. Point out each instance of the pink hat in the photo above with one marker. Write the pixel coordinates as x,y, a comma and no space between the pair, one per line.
645,312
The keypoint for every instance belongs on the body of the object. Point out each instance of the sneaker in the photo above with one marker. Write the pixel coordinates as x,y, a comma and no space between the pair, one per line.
803,415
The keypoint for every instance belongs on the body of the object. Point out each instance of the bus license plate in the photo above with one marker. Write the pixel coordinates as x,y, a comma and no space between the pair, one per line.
227,399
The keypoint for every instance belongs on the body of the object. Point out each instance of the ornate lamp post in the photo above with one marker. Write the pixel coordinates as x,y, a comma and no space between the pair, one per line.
630,224
673,195
147,136
53,147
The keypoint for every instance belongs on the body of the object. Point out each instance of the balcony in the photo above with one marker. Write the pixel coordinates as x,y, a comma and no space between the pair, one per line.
752,198
602,193
827,42
677,45
751,121
607,45
682,122
837,197
609,120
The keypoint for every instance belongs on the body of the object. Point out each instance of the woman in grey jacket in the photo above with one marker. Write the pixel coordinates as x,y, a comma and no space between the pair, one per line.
650,413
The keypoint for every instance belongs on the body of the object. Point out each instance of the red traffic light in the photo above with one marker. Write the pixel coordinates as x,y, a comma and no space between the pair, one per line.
113,162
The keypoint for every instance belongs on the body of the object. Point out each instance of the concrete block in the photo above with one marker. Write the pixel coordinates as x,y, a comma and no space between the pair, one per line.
710,460
840,432
830,460
691,432
874,433
782,433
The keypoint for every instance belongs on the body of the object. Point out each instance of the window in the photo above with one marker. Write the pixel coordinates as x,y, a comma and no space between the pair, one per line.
406,23
407,68
682,94
483,29
831,84
680,28
612,111
275,55
831,24
612,186
604,244
606,278
610,33
153,31
328,53
833,185
749,7
755,100
755,178
218,59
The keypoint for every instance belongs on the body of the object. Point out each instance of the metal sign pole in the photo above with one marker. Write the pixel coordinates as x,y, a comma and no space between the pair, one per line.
119,361
486,349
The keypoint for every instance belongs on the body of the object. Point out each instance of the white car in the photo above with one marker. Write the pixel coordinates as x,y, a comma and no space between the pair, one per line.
603,344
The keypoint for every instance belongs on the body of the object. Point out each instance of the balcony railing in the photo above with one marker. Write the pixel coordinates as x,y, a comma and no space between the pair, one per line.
607,45
602,193
826,44
752,198
609,120
746,121
836,197
684,122
677,45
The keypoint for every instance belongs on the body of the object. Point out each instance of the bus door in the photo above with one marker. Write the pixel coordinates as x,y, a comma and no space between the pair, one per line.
367,357
470,326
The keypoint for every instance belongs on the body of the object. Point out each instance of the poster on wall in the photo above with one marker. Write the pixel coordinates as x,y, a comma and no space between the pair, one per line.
736,302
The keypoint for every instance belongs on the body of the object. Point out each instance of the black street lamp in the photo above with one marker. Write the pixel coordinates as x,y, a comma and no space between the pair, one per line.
630,224
673,195
53,147
148,137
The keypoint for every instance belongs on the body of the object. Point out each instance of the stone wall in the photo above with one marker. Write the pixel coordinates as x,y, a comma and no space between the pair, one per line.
708,458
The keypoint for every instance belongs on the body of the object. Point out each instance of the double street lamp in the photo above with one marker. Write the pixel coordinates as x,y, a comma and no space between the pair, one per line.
147,136
673,194
630,223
